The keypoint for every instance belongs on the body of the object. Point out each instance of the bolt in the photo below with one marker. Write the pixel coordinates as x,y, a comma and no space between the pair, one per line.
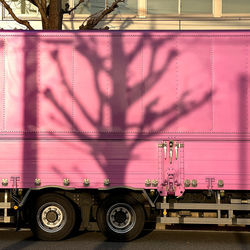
106,182
154,183
187,183
5,182
66,182
220,183
86,182
194,183
37,182
148,183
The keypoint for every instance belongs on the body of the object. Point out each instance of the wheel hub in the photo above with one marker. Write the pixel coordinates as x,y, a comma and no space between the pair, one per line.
121,218
51,217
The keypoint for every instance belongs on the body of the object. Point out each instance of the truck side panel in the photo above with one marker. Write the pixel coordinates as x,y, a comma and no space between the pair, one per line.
98,104
218,160
76,160
2,82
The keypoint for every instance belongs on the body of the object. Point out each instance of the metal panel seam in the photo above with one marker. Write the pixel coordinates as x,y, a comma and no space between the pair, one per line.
247,90
73,84
4,80
212,79
38,78
142,72
177,81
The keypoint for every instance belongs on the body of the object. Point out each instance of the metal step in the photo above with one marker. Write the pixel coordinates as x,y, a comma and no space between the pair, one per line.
5,205
7,219
204,206
229,218
188,220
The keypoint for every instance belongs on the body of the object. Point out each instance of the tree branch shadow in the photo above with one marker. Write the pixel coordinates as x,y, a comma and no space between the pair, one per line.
121,101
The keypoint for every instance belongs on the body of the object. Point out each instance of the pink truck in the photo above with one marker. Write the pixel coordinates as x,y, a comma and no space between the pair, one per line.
122,128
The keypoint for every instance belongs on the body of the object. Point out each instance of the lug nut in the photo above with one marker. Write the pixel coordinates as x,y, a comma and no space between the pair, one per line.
194,183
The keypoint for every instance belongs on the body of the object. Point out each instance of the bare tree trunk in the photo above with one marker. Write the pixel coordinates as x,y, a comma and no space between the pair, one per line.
44,20
55,15
52,15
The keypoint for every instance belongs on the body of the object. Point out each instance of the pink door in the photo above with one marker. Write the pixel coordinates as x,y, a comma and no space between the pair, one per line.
171,166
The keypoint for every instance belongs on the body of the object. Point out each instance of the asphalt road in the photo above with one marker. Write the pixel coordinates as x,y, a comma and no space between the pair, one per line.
171,239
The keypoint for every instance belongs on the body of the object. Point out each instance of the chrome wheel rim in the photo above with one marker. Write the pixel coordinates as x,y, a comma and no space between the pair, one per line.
121,218
51,217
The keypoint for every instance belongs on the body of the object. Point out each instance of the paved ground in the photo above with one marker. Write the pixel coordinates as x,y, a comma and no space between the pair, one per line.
170,239
177,239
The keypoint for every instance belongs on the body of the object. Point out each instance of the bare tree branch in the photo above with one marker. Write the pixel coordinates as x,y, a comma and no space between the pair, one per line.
23,22
94,19
70,91
67,7
42,12
43,4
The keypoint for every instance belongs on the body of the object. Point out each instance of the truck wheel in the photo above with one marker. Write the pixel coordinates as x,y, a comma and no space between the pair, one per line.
121,218
53,217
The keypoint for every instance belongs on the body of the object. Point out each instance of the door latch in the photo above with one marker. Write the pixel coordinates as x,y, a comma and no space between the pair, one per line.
176,151
178,145
164,146
171,144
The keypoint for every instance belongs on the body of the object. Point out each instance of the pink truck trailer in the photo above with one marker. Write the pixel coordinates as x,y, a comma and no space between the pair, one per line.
122,128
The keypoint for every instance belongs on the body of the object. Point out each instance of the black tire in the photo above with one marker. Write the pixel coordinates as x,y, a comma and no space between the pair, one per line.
52,218
121,218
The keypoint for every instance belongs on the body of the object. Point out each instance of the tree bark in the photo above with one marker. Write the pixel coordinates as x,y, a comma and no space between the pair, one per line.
55,15
91,21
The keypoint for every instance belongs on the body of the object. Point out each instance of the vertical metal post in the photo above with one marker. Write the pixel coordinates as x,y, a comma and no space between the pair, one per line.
179,7
218,202
1,12
6,219
142,8
23,6
71,3
164,210
217,8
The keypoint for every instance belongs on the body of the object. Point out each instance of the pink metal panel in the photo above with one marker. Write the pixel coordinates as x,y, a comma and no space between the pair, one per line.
55,84
91,82
113,76
160,74
14,83
248,79
79,160
195,84
11,160
230,104
227,161
126,102
2,87
102,102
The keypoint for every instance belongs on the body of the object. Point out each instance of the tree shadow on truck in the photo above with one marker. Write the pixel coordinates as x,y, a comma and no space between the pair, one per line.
99,115
113,131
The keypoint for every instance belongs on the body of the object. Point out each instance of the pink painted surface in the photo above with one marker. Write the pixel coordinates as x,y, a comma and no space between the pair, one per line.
95,105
